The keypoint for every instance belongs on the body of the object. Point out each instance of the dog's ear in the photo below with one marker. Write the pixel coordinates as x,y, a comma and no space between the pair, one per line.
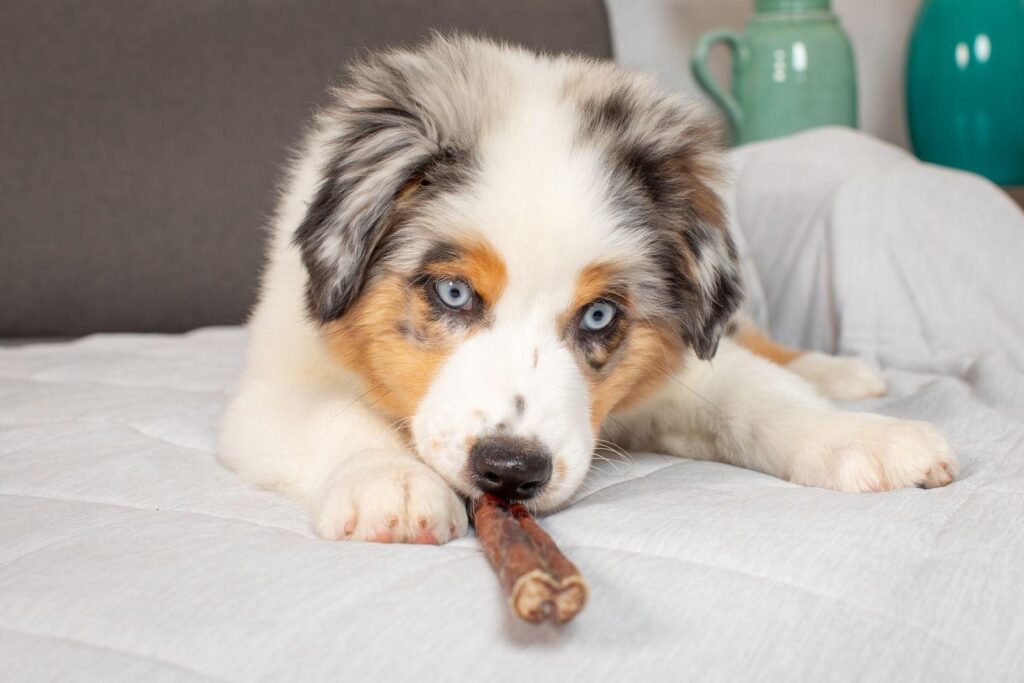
701,262
379,145
671,161
382,138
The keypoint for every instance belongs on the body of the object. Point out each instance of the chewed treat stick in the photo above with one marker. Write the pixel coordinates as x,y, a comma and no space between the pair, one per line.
541,582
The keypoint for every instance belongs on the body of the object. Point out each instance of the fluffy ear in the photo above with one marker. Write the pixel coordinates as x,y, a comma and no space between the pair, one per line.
380,144
401,119
703,265
670,162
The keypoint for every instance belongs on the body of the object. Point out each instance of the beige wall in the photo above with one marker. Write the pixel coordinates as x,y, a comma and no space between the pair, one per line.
658,35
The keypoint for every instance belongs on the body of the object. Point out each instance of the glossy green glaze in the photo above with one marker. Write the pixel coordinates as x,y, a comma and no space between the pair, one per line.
965,86
792,69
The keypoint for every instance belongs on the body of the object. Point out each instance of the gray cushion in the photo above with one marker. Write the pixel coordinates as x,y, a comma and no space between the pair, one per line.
140,142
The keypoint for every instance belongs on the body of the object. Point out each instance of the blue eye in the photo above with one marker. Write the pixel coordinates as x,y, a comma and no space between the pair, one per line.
454,294
598,316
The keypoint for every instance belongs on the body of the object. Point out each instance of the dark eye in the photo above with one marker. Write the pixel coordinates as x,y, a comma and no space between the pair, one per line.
454,294
598,316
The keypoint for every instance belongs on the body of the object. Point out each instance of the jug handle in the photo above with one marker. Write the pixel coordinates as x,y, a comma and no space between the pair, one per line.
698,62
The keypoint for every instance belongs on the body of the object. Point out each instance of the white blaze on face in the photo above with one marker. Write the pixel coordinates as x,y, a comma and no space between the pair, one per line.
518,379
541,202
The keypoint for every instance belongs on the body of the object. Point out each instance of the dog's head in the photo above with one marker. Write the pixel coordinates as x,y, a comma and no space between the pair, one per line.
507,248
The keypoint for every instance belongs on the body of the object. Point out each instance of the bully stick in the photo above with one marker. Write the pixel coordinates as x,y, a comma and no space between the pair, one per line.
542,584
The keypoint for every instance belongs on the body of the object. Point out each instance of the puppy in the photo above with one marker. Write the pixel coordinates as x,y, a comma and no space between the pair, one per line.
484,259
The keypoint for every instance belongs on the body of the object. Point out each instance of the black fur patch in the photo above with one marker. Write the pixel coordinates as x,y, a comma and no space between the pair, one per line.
440,252
613,112
519,404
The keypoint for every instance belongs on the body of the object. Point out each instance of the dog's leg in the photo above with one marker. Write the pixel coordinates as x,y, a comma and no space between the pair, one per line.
323,445
841,378
743,410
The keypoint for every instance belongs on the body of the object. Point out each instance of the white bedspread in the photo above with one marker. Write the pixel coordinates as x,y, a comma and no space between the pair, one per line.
127,553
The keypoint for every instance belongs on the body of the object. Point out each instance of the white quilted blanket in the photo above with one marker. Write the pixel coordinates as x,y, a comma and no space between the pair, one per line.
127,553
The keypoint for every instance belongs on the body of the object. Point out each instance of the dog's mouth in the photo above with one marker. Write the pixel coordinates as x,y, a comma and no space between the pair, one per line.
534,498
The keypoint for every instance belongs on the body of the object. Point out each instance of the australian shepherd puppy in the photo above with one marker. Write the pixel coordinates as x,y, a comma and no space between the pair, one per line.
485,259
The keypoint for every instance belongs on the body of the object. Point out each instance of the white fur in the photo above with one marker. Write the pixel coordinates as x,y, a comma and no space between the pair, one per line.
840,378
301,424
746,411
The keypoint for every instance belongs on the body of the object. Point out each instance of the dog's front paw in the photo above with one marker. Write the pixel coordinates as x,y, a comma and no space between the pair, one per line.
840,378
390,499
861,452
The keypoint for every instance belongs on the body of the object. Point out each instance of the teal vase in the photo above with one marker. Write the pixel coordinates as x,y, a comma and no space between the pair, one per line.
792,69
965,87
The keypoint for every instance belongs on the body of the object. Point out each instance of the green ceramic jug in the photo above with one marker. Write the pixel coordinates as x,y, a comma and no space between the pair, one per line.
792,69
965,86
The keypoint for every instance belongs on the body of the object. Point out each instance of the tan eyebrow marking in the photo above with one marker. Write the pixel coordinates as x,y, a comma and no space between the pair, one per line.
479,264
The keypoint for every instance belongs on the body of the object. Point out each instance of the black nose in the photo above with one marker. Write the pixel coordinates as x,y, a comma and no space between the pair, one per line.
510,467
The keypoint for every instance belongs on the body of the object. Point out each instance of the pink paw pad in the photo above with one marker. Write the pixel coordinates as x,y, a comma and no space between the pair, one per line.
425,537
383,537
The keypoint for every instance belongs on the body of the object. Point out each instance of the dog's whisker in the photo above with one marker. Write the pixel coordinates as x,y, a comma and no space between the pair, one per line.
693,391
617,466
357,399
621,457
671,375
612,465
401,423
617,462
626,429
664,351
379,399
613,446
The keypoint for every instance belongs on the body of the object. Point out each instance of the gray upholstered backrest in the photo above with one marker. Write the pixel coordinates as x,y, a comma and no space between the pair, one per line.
140,142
